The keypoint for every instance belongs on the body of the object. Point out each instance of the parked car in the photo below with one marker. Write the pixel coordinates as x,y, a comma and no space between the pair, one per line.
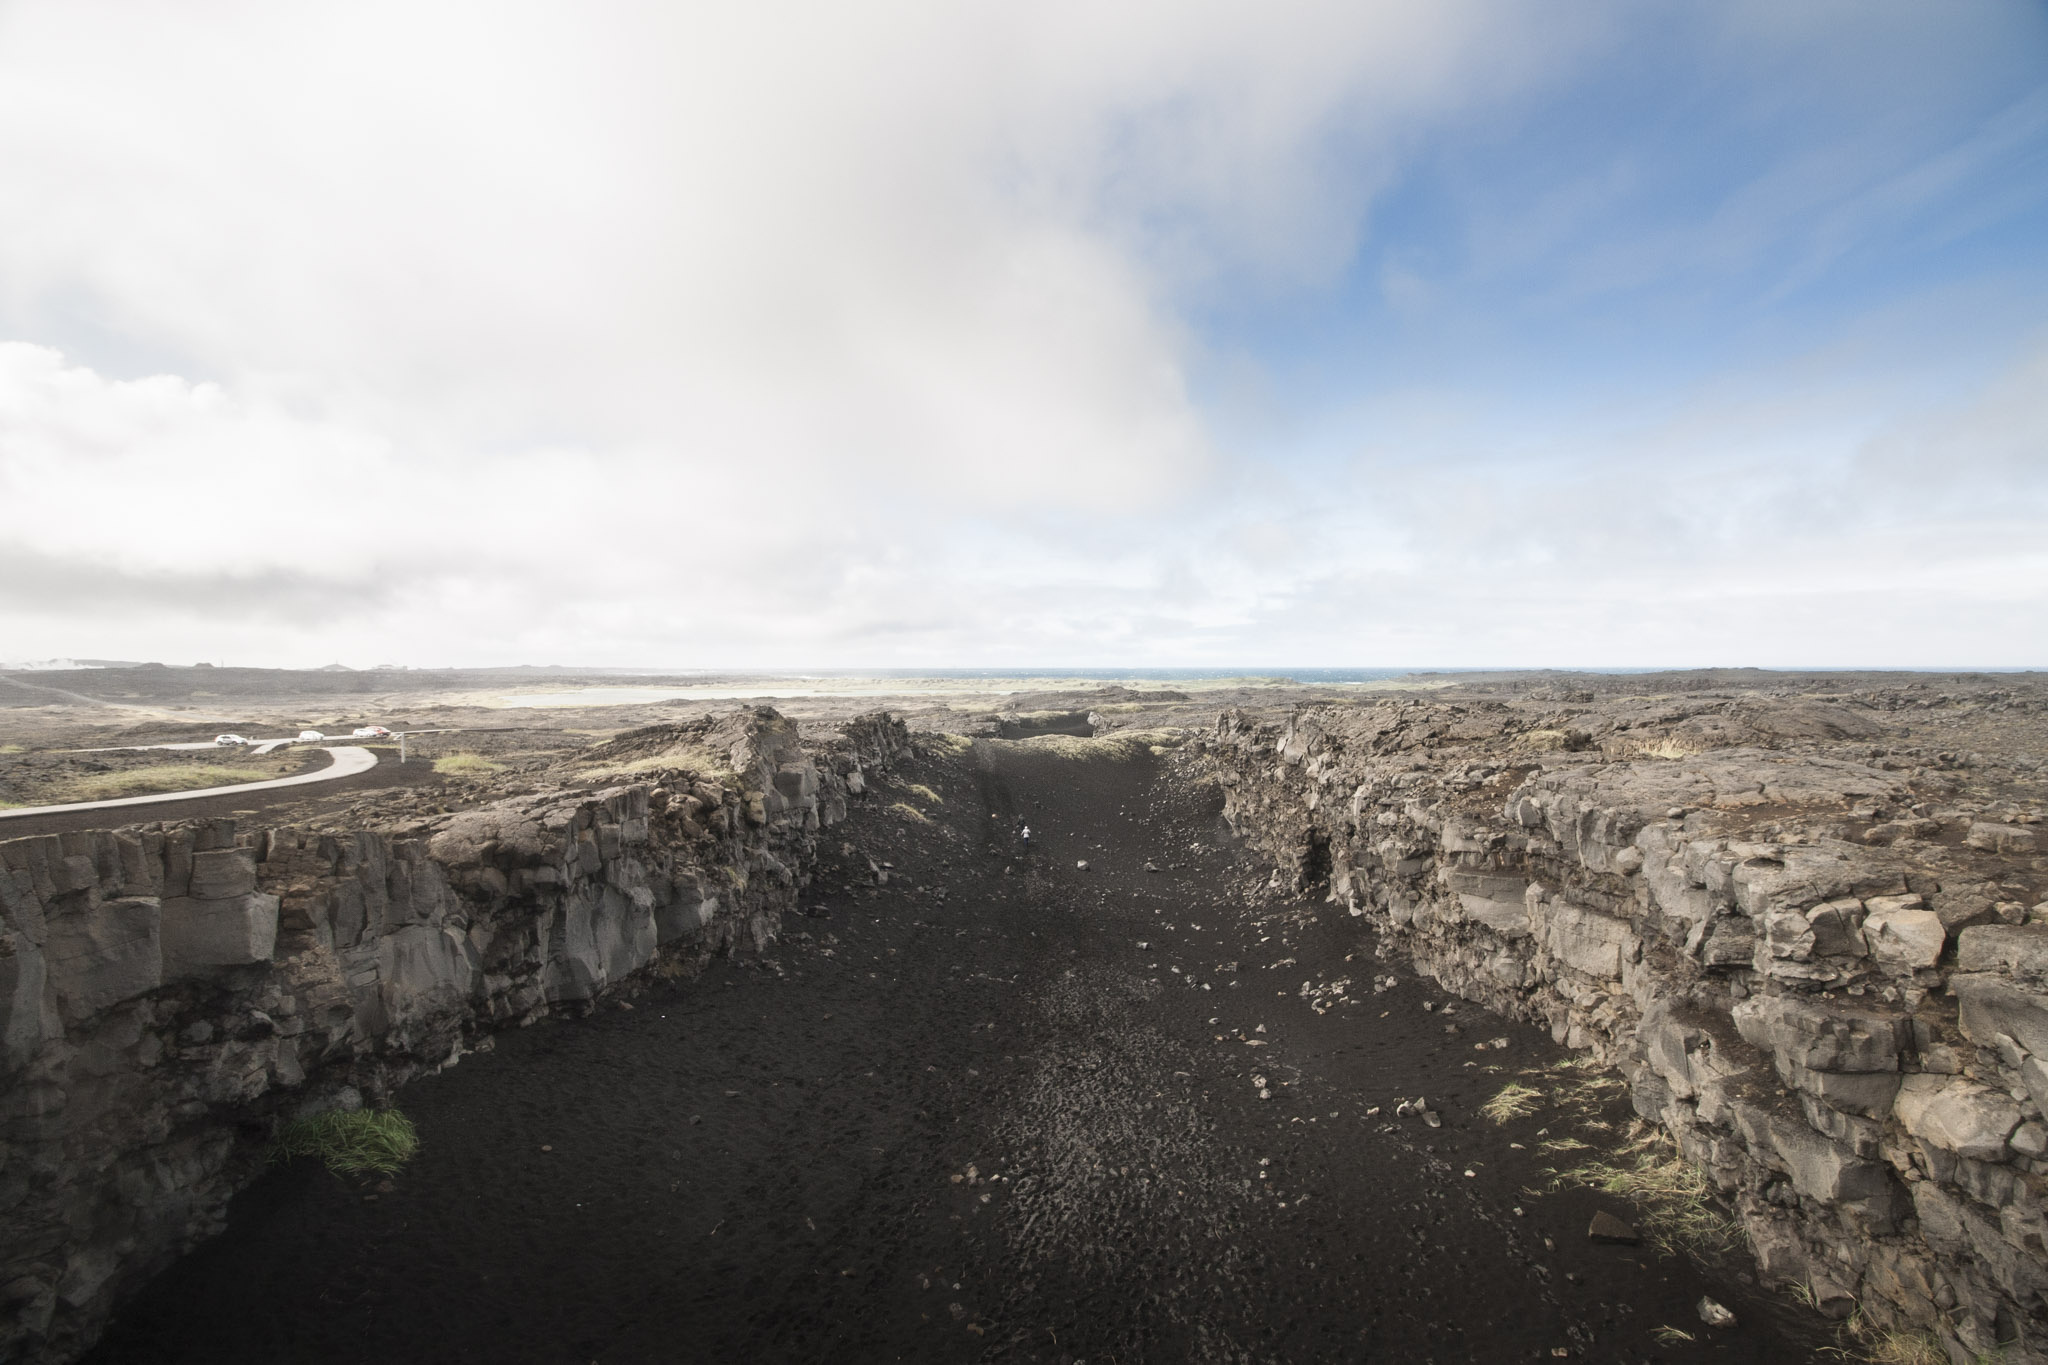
311,736
229,741
371,732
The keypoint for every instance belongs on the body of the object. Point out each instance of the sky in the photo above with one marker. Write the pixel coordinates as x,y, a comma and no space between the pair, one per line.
1425,333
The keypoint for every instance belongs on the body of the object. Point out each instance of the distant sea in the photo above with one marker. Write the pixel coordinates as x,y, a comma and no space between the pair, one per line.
1301,675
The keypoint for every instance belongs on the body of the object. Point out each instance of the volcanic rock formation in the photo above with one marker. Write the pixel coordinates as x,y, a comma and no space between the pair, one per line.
1820,961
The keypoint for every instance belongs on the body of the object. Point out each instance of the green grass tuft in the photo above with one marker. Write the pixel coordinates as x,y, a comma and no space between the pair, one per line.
910,813
1674,1198
1514,1101
1905,1348
351,1142
923,793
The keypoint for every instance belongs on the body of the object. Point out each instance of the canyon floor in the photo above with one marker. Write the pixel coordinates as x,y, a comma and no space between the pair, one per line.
998,1108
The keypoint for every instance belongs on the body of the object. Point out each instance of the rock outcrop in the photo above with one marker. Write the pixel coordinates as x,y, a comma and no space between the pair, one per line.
169,993
1813,957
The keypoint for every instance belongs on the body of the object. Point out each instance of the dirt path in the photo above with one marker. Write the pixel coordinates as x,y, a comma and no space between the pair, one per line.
1000,1109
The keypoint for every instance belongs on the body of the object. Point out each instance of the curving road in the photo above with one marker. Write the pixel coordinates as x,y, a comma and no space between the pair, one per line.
347,761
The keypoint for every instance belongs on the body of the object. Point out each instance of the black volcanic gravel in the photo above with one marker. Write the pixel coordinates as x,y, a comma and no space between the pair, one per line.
983,1126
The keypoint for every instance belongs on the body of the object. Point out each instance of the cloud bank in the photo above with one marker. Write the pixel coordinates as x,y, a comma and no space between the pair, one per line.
939,334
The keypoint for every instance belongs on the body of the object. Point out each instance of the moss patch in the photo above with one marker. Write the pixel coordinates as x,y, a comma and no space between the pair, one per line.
1120,747
466,765
165,777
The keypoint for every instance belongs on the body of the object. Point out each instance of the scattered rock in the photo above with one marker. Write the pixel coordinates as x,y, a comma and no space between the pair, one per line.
1606,1228
1714,1315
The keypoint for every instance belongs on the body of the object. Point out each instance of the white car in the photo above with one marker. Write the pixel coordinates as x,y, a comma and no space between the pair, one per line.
371,732
311,736
229,741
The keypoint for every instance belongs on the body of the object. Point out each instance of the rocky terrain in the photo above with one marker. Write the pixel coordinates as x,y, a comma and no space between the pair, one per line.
1800,918
1101,1096
1809,930
168,992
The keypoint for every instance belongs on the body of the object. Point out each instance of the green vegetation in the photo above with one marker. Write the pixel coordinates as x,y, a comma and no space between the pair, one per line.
164,777
923,793
1674,1198
1904,1348
681,757
13,748
354,1142
1672,1336
910,813
1120,747
1514,1101
467,765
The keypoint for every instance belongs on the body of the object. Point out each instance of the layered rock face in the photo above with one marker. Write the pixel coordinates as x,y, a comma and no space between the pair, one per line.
169,993
1815,957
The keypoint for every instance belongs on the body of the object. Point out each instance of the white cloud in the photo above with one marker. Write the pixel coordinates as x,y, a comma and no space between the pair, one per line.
777,333
492,299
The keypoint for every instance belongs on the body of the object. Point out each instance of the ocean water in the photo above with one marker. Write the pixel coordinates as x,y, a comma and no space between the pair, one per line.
923,681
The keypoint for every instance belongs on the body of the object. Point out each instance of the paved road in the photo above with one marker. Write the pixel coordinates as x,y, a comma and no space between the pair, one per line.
348,760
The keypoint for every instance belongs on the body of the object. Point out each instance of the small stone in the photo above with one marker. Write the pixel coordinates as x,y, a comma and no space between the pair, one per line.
1607,1228
1675,813
546,1147
1714,1315
1081,865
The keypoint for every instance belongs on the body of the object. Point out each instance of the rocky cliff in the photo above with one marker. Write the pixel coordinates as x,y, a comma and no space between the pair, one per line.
1817,954
169,993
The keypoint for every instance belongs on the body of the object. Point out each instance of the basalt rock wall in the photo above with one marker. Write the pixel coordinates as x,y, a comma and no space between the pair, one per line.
1816,959
170,993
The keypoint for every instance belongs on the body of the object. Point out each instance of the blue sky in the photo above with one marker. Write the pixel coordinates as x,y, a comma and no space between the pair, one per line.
919,334
1685,208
